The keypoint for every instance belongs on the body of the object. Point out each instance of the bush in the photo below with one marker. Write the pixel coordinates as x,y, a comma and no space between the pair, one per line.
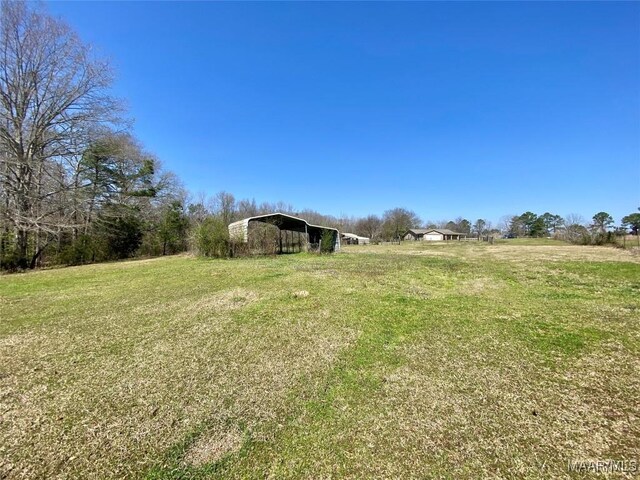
576,234
123,236
327,241
606,238
79,252
239,249
212,238
579,235
12,262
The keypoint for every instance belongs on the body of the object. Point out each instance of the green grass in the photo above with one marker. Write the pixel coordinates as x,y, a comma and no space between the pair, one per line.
462,360
530,241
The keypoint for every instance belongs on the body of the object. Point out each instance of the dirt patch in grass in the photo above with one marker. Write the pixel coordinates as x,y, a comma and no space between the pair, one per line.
228,300
225,300
212,446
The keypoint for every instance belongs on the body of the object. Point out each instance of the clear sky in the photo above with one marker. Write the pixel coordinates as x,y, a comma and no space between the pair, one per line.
449,109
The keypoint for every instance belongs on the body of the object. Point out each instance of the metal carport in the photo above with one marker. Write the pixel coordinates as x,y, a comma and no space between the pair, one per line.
239,231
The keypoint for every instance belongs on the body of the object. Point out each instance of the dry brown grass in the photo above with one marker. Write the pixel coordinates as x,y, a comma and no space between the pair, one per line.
459,407
105,400
418,361
557,251
212,446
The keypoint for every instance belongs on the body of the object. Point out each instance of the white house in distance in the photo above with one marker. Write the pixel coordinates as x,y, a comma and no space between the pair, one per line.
432,234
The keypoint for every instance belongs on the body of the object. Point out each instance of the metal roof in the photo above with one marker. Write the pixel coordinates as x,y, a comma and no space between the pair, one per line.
353,235
240,229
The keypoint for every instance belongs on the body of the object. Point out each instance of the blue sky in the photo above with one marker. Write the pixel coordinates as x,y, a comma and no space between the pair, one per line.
449,109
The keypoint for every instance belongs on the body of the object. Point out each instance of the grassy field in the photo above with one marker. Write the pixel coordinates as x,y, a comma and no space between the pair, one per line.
411,361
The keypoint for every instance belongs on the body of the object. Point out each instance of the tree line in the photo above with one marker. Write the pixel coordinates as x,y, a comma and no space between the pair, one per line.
76,186
573,228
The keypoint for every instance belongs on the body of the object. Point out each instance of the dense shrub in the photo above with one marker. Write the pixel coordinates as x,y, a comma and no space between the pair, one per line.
606,238
239,249
12,262
212,238
579,235
327,241
122,236
78,252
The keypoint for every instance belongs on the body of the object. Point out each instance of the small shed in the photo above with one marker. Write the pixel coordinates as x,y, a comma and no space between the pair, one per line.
353,239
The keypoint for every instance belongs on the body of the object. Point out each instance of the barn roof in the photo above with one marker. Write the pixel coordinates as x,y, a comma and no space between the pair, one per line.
353,235
283,221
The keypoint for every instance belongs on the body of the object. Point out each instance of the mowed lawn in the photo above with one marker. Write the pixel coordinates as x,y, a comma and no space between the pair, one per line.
412,361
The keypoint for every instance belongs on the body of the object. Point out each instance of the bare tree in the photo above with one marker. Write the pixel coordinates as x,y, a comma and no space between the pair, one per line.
197,208
224,205
574,228
52,97
317,218
247,208
369,226
505,223
266,207
346,223
397,221
574,219
431,224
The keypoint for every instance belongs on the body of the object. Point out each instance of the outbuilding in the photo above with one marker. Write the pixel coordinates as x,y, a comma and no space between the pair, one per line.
294,234
353,239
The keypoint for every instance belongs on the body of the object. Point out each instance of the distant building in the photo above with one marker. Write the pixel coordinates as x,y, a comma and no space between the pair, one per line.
353,239
432,234
415,234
